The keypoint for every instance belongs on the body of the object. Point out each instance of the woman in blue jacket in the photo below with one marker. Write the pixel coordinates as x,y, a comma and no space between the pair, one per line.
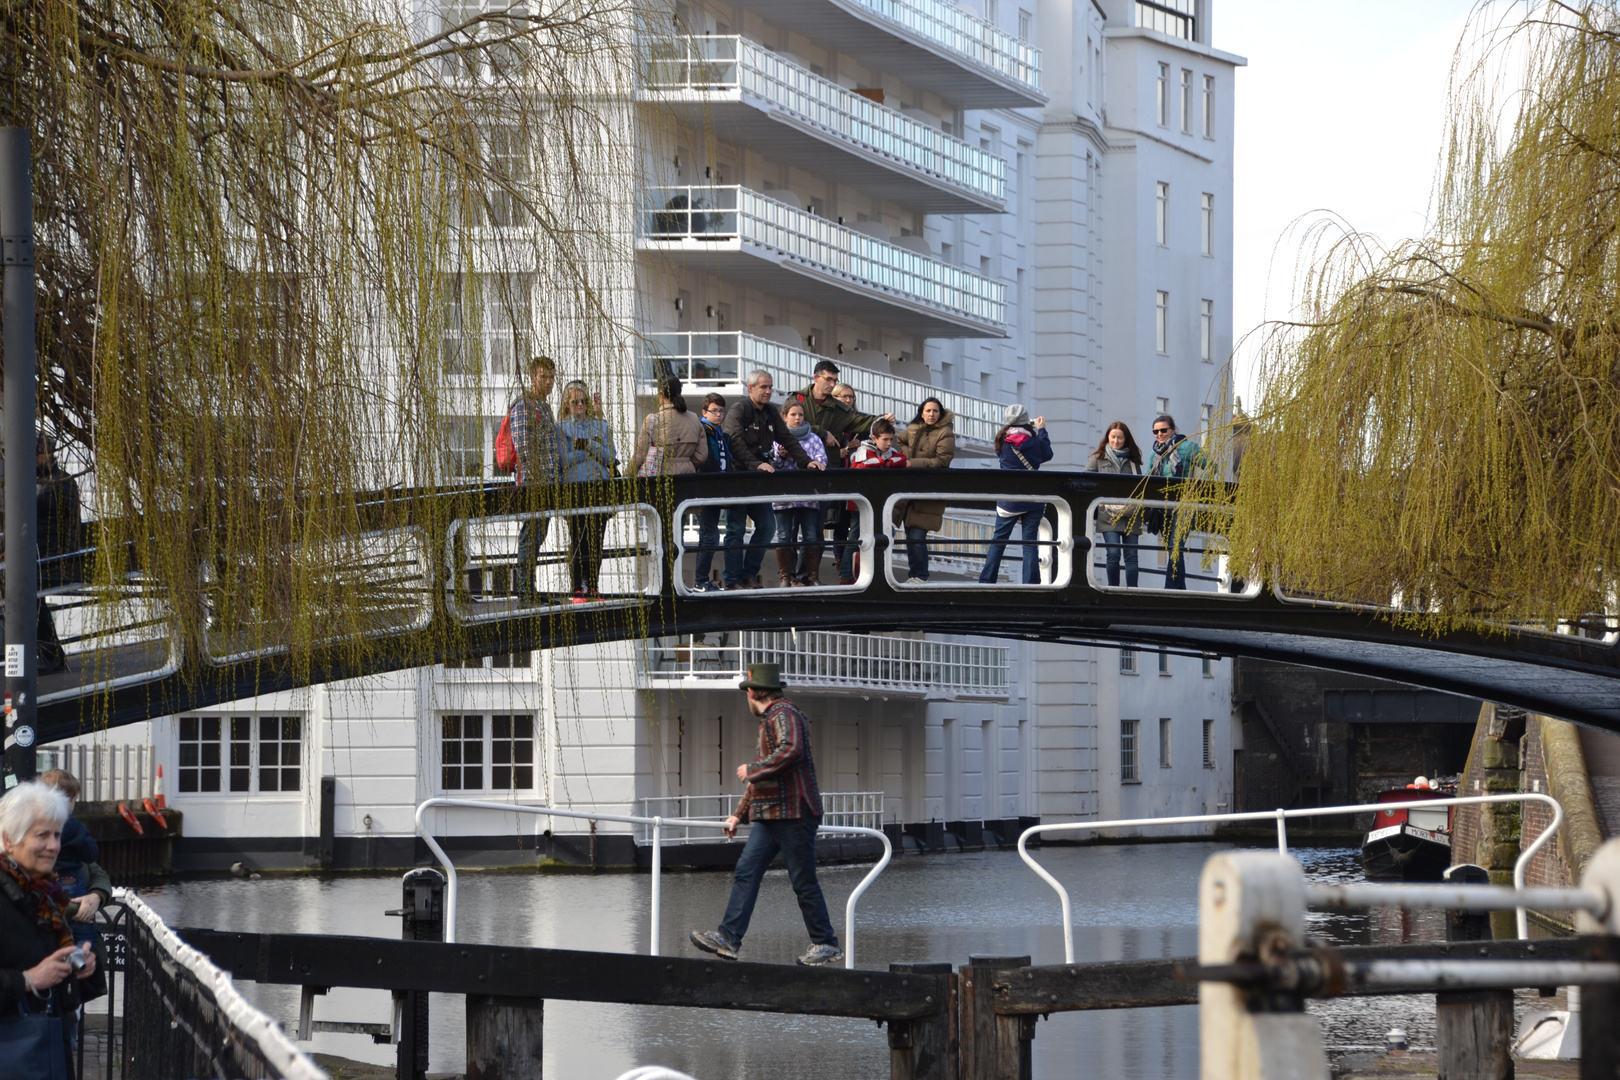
587,458
1022,445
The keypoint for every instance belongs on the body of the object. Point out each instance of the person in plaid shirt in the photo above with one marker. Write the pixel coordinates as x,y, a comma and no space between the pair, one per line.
539,455
784,804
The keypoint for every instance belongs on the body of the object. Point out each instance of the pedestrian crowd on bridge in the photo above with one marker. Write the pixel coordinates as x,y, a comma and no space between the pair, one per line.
816,428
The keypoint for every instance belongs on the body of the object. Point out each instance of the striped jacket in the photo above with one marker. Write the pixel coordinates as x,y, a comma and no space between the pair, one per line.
782,780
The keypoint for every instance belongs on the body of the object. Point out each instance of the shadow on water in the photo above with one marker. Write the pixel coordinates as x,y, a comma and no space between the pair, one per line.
1129,903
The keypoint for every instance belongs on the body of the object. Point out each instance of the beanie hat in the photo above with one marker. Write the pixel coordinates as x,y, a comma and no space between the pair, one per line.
1016,414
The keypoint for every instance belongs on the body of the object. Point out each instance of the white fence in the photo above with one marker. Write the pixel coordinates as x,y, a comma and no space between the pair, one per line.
861,809
105,773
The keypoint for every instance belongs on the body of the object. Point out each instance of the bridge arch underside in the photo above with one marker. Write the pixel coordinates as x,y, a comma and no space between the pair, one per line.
1559,674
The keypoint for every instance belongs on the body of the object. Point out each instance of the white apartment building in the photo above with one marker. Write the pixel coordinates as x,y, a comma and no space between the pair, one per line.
993,201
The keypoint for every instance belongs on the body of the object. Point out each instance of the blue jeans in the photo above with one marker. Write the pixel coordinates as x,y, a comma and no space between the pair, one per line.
1175,572
1030,523
801,525
708,537
916,553
1120,544
530,538
741,569
795,838
846,542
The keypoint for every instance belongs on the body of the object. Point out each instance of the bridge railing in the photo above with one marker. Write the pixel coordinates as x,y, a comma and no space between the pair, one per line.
1280,817
656,840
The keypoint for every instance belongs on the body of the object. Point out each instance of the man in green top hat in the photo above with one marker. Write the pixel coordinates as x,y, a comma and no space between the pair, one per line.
783,802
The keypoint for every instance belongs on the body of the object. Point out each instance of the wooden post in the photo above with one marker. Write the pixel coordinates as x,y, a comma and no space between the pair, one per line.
1474,1028
504,1037
925,1048
993,1047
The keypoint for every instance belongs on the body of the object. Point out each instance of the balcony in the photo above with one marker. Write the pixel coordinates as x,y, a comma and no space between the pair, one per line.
928,44
752,97
827,661
748,240
720,361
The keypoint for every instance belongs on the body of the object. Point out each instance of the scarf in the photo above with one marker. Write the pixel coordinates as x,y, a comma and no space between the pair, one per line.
801,431
49,897
1118,457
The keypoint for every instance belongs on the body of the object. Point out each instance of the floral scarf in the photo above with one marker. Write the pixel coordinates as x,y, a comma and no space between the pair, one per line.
50,900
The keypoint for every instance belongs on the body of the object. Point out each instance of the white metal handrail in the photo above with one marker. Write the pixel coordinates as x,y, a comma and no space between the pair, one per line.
706,360
863,808
839,660
963,32
711,63
1280,816
657,824
694,212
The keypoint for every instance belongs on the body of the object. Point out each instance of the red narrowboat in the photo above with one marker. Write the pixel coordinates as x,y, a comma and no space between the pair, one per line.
1412,844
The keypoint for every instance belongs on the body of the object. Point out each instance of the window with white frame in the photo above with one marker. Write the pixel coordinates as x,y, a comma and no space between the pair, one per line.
487,323
487,752
1206,331
1161,214
1130,763
243,754
1127,661
1161,322
1161,405
1209,106
1206,224
1209,744
1164,95
1164,662
1026,25
1164,742
991,10
1206,417
1177,18
1186,101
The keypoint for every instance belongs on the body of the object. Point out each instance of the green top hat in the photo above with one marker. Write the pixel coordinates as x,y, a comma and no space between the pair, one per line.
762,677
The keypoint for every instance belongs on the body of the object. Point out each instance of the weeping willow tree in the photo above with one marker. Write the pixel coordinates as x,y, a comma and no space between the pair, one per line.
1444,425
290,252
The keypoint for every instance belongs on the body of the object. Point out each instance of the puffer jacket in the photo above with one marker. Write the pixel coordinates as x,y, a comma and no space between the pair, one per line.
1024,449
928,446
681,436
1115,517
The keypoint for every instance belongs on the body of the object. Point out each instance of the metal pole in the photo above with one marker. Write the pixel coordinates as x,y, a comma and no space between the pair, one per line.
20,401
657,879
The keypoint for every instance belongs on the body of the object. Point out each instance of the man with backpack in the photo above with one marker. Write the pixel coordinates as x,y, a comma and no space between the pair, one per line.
536,457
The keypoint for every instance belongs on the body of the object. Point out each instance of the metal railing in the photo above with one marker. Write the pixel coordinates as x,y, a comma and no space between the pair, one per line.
863,809
657,843
705,361
690,63
962,32
837,660
694,212
1280,816
105,773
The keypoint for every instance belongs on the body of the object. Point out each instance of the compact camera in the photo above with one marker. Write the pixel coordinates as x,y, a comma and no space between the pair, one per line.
76,959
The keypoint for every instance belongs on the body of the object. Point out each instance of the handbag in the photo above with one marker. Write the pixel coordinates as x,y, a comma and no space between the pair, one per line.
653,463
34,1045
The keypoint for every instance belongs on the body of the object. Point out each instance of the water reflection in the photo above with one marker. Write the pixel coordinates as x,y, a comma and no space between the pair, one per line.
1129,903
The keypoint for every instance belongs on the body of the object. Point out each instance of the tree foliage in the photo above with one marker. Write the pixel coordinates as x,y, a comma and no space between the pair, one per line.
1443,426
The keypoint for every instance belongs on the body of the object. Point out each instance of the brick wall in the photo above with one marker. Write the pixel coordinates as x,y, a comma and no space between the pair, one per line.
1548,868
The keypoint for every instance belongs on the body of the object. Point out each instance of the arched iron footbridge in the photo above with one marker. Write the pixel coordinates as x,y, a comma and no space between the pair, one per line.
439,574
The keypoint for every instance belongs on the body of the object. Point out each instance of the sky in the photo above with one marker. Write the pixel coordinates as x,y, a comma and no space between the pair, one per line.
1340,113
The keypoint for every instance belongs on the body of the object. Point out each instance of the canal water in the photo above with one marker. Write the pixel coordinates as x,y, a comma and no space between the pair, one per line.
1130,902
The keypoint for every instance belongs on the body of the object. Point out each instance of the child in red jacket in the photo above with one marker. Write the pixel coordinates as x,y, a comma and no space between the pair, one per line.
878,452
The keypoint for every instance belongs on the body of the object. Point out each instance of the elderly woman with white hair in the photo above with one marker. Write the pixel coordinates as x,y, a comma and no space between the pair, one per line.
40,966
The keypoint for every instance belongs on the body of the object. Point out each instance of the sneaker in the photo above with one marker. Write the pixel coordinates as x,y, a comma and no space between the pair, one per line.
710,941
704,586
846,581
817,955
579,596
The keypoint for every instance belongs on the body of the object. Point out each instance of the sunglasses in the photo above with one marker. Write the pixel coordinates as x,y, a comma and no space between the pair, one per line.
1162,430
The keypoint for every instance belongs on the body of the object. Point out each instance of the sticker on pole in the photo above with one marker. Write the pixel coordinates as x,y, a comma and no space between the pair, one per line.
24,735
14,661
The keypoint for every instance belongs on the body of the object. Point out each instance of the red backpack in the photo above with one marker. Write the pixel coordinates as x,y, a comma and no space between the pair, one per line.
506,456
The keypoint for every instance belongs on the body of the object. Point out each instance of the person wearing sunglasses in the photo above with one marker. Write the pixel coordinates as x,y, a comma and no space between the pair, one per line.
1173,457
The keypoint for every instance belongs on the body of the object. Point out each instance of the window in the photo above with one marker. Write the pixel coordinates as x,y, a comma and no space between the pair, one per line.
991,10
464,447
1161,405
1206,331
1209,106
1129,761
1164,742
487,753
1161,214
1208,663
244,754
1172,17
1206,224
1161,323
1025,25
486,319
1164,95
1186,101
1209,744
469,60
1164,662
500,659
1127,661
1206,417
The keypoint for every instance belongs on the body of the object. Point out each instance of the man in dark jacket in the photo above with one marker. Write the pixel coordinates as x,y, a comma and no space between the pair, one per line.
826,414
752,425
783,801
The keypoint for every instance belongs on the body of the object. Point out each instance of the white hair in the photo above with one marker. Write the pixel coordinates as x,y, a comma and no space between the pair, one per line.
26,805
755,376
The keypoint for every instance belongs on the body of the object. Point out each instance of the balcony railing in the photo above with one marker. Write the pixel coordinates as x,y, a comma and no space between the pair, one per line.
963,32
683,213
833,660
709,361
733,63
